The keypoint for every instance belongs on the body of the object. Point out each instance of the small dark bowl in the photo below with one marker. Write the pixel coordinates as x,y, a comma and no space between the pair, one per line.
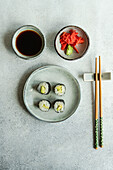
82,48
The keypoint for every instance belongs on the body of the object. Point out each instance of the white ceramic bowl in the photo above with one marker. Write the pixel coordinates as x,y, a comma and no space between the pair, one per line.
82,48
24,28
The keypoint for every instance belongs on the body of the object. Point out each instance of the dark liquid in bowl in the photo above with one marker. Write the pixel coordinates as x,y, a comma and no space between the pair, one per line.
29,43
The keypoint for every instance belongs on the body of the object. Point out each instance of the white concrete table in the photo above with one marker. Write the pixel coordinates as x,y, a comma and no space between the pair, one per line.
27,143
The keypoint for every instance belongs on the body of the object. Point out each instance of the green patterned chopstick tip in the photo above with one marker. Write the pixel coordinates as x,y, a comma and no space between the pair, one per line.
101,131
96,133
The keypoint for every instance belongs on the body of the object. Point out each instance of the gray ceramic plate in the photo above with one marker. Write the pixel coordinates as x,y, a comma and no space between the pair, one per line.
82,48
54,75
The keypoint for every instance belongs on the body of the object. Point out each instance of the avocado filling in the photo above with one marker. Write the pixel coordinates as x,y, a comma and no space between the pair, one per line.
59,107
43,89
45,106
59,88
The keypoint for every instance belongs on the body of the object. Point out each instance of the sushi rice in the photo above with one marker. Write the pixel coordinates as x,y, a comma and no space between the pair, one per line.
44,105
60,89
44,88
59,106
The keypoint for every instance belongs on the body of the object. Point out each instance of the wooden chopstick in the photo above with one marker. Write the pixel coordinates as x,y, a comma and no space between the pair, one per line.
100,105
96,106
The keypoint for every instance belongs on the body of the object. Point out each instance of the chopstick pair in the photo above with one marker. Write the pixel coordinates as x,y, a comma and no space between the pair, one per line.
100,105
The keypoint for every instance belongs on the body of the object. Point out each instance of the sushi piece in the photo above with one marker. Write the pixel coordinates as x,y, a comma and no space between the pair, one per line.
43,88
60,89
59,106
44,105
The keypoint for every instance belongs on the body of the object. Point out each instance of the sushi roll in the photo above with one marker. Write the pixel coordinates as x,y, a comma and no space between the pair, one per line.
43,88
60,89
44,105
59,106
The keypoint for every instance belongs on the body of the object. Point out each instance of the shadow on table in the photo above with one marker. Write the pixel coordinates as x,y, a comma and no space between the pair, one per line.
7,38
93,108
93,112
81,76
50,41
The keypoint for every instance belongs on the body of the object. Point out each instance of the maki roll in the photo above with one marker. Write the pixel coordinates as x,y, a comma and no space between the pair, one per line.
60,89
44,105
59,106
43,88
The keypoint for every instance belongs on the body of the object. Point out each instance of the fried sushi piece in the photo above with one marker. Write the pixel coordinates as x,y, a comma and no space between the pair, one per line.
44,105
43,88
59,106
60,89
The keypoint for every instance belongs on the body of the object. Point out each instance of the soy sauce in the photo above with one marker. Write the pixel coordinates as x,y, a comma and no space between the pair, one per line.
28,43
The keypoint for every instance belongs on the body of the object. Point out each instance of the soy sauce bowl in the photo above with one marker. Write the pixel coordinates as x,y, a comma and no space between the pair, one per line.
82,48
21,49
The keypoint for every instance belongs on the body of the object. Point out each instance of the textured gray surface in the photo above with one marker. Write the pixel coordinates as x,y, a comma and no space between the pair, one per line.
27,143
